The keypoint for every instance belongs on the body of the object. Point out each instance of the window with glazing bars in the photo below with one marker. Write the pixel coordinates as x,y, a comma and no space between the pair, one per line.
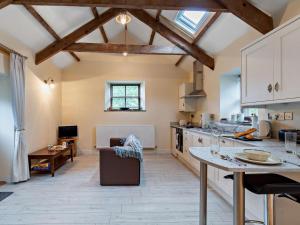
125,96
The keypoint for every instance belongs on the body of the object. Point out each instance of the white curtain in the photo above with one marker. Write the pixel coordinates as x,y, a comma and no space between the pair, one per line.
20,169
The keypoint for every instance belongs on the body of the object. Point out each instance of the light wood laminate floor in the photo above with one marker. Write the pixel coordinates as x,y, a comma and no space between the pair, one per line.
168,195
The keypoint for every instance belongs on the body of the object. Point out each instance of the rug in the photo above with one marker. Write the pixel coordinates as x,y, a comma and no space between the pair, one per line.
4,195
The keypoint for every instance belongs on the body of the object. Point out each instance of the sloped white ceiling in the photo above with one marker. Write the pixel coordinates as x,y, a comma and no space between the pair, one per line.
139,30
18,23
94,37
229,26
64,19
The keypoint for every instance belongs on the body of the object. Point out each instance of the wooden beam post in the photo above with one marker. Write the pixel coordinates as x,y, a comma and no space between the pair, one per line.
120,48
201,34
173,37
249,14
4,3
208,5
153,32
79,33
47,27
101,28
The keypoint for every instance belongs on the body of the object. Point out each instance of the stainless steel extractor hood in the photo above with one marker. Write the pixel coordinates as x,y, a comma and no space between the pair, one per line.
197,81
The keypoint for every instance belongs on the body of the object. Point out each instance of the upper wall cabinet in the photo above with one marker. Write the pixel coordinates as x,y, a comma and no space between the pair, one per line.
186,104
271,67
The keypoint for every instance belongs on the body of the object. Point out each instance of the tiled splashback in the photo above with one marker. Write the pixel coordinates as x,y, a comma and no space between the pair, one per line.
280,108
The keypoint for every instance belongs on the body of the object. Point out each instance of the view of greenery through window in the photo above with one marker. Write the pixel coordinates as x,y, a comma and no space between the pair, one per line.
125,96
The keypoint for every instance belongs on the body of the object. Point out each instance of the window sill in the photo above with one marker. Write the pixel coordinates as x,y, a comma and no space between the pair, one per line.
124,110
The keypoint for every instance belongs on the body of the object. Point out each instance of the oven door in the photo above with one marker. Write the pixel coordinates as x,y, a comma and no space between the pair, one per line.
179,140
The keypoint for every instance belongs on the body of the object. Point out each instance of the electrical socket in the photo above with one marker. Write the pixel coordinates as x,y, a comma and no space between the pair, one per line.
280,116
288,116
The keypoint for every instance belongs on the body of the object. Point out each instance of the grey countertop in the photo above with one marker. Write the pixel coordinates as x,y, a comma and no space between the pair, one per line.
263,143
204,155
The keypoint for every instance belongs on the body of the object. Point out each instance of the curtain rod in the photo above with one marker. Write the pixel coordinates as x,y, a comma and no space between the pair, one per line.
8,51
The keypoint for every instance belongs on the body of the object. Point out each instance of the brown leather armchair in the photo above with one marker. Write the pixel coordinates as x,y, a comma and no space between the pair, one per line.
117,171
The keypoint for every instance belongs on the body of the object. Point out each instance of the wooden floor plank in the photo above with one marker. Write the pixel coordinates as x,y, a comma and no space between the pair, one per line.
168,195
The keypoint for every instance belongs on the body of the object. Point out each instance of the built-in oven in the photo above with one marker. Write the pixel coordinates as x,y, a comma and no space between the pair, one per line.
179,139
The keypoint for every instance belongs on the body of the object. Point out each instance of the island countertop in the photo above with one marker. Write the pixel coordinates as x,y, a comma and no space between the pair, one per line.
204,155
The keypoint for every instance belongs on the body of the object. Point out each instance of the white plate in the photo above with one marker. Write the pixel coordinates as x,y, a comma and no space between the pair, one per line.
271,161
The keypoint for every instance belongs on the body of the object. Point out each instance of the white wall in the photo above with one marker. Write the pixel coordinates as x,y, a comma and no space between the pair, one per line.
83,95
230,88
225,62
43,108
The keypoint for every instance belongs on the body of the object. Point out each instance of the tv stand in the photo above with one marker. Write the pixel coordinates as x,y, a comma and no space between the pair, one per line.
70,140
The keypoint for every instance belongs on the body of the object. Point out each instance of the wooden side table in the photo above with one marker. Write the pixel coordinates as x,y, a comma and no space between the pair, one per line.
71,141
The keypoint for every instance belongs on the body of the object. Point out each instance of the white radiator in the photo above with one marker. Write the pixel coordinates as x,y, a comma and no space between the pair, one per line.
146,134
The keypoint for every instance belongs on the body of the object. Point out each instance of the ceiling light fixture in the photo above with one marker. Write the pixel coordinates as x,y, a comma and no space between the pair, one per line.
123,18
50,83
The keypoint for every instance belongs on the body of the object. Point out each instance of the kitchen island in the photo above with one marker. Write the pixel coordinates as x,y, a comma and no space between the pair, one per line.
205,157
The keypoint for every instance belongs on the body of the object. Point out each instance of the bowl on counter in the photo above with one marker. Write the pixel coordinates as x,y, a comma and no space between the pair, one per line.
257,155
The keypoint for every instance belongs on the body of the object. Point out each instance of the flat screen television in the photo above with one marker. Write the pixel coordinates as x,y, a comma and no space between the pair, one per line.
67,131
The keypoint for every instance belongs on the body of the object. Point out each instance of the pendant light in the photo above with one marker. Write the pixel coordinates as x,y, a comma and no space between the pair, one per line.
125,53
123,18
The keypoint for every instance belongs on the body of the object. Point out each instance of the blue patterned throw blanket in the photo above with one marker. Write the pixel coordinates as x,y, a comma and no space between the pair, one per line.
132,148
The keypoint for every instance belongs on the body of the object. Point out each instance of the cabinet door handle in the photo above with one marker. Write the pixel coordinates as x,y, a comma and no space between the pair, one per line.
223,141
277,87
270,88
200,140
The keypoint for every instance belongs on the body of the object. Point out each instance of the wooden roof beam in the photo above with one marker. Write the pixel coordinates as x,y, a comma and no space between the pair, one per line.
208,5
4,3
47,27
249,14
120,48
153,32
101,28
76,35
173,37
201,34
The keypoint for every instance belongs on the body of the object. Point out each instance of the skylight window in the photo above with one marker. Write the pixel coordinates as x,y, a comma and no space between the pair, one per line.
191,20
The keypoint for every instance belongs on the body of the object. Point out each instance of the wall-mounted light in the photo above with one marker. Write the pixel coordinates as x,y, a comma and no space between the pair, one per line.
50,83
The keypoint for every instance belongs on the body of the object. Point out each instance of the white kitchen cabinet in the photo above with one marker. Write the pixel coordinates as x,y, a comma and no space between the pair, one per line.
186,104
258,72
286,83
199,140
185,89
270,67
222,183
